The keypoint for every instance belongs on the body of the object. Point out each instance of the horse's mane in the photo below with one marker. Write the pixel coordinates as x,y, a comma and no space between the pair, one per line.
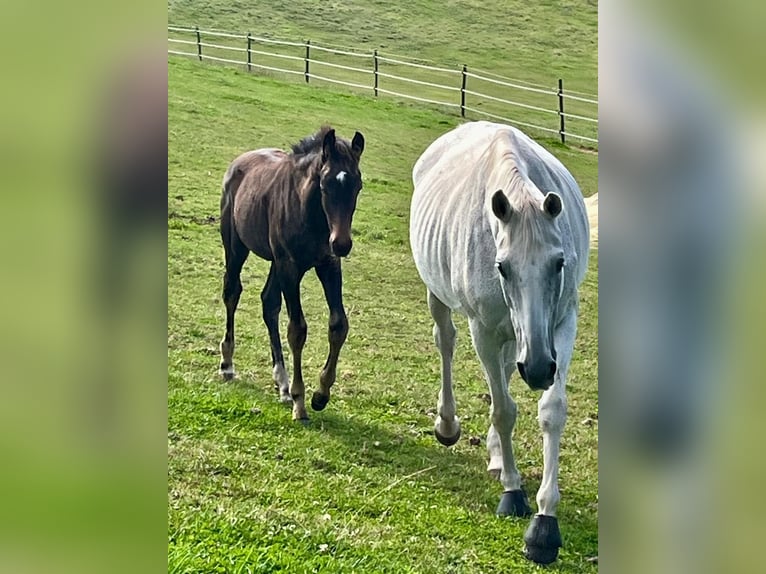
311,144
512,175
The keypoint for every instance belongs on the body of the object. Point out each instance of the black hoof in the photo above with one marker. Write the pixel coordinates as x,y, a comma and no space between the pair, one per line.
319,401
447,441
542,539
226,372
305,422
514,503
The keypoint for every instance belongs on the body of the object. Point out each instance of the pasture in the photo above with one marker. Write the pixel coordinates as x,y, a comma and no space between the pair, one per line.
366,487
535,42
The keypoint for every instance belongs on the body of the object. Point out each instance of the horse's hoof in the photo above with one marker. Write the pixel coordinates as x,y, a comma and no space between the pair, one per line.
227,373
514,503
542,539
445,440
304,421
319,401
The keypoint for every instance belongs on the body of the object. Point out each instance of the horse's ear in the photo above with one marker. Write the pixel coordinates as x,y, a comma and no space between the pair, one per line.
552,204
357,144
328,145
501,207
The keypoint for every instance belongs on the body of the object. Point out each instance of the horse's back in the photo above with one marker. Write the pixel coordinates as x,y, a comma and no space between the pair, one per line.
244,196
449,236
246,163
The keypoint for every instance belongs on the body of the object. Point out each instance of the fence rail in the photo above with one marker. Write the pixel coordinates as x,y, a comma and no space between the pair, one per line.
481,93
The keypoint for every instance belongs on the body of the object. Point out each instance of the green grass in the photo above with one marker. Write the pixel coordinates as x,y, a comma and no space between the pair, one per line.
536,42
365,488
533,41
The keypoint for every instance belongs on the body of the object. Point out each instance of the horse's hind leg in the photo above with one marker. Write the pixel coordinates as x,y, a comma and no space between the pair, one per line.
236,255
271,299
330,276
289,281
513,502
495,465
447,425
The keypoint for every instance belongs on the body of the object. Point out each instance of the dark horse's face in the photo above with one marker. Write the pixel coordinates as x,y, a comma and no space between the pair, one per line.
340,183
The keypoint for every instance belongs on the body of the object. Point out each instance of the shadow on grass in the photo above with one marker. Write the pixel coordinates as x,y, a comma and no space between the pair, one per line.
403,446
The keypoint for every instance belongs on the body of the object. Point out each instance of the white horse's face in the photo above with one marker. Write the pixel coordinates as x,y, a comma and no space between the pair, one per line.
530,266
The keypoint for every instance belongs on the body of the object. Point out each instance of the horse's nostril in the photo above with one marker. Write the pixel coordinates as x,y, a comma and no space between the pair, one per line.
341,248
523,374
552,368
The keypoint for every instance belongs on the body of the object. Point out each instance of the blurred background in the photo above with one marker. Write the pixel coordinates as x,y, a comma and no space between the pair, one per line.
681,133
83,300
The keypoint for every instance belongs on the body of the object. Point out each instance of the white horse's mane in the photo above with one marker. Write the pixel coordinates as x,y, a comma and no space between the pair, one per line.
529,222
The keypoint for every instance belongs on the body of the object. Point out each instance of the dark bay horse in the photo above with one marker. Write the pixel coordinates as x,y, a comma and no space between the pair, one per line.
295,210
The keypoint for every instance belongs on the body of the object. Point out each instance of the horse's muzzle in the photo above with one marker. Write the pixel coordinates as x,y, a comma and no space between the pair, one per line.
341,246
538,375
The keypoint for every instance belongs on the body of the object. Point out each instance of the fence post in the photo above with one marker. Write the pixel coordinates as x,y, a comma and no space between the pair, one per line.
308,55
462,92
199,44
375,63
561,111
249,45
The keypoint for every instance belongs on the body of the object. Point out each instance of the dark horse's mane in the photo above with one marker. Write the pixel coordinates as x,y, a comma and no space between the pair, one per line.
311,144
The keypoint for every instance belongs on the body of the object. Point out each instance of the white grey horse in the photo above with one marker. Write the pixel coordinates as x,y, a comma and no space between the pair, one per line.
499,233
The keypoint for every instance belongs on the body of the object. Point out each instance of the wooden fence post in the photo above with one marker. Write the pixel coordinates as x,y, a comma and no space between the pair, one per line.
462,92
249,45
308,55
561,111
375,63
199,44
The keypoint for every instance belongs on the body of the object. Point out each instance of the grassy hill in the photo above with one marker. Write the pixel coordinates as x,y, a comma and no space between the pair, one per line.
534,41
364,488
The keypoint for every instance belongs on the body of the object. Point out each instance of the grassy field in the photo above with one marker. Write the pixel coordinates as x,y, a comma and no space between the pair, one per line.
535,42
364,488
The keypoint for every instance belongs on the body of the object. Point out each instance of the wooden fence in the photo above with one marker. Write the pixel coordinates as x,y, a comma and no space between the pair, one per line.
471,92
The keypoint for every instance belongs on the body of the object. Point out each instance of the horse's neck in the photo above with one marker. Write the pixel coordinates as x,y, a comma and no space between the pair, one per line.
309,196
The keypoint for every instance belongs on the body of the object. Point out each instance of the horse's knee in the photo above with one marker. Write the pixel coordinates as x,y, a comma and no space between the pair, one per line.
296,332
338,329
552,414
270,312
444,336
232,288
504,415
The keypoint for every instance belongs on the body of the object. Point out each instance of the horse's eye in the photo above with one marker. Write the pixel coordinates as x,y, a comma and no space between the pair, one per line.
500,269
559,265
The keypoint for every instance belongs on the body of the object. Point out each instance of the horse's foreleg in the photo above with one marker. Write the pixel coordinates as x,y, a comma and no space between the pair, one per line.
543,538
330,276
513,502
447,425
289,280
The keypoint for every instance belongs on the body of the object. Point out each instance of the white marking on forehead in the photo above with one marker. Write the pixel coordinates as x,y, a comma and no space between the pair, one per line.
341,177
